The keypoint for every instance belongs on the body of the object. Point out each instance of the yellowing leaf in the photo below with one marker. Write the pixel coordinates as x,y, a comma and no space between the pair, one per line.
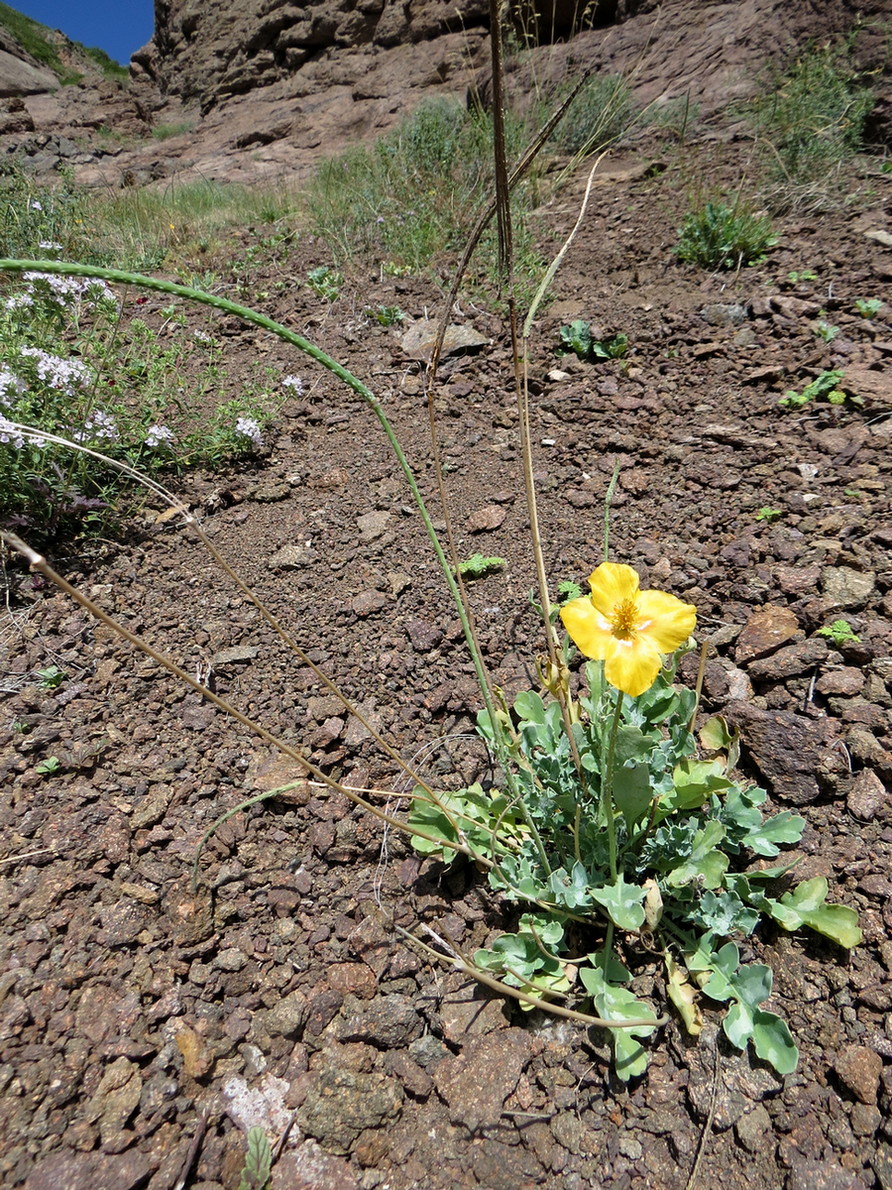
684,997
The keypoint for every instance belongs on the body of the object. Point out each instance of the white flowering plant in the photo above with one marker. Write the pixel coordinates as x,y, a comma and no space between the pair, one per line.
147,398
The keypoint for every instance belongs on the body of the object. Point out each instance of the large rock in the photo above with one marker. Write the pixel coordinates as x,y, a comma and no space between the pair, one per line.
18,77
795,756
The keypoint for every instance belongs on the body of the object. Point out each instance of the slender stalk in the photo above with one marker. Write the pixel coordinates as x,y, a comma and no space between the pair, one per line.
458,962
608,497
607,807
38,563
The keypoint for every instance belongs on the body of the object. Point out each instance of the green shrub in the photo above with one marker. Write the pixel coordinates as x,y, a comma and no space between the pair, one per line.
599,115
811,123
717,236
415,194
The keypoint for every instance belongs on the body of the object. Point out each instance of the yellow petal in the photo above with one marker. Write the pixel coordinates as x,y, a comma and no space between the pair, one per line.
632,665
611,584
588,629
664,620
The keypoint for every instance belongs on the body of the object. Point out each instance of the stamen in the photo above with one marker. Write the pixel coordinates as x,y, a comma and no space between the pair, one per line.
624,621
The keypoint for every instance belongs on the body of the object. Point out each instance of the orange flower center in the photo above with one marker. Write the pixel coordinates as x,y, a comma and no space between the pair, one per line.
624,621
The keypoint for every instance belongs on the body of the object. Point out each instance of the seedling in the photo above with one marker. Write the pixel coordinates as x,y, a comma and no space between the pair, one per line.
868,307
804,275
387,315
258,1161
478,566
824,385
577,337
52,764
51,677
825,330
768,514
839,633
325,282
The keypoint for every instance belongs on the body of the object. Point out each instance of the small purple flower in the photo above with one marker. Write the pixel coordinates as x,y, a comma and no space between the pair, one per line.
10,435
295,383
249,428
158,436
98,426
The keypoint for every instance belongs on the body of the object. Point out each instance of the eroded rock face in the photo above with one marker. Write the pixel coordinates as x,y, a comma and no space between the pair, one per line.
254,89
208,50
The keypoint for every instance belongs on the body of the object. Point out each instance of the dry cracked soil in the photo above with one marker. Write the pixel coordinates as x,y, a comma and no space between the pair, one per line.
144,1027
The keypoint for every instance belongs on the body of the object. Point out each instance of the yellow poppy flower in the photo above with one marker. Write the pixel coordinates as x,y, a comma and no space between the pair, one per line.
626,628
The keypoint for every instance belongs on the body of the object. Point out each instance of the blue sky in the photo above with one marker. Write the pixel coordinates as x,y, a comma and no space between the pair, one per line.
117,26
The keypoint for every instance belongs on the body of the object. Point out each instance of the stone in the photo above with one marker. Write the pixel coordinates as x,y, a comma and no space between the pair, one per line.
845,588
797,580
790,751
475,1083
419,340
235,655
865,1119
806,1174
342,1104
867,797
724,313
89,1171
848,681
859,1070
752,1129
764,632
308,1167
116,1098
424,636
288,1017
197,1058
485,519
372,525
789,662
261,1106
367,603
292,557
388,1021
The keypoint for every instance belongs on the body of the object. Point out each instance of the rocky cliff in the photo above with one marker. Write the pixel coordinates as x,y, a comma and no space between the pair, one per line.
266,87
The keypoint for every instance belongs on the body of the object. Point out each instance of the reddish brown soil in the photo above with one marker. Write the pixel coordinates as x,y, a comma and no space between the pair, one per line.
128,1006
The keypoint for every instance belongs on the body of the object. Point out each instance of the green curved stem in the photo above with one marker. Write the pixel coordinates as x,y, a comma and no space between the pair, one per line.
66,269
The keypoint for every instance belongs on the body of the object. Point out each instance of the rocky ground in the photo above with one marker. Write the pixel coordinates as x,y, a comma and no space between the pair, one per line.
144,1026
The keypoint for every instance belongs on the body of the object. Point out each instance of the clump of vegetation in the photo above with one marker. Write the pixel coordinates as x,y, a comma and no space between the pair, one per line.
839,633
479,566
824,385
868,307
77,397
768,515
167,131
387,315
810,123
577,337
411,197
616,818
325,282
719,236
134,228
599,115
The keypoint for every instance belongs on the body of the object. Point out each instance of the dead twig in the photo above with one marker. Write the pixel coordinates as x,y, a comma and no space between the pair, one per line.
192,1155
